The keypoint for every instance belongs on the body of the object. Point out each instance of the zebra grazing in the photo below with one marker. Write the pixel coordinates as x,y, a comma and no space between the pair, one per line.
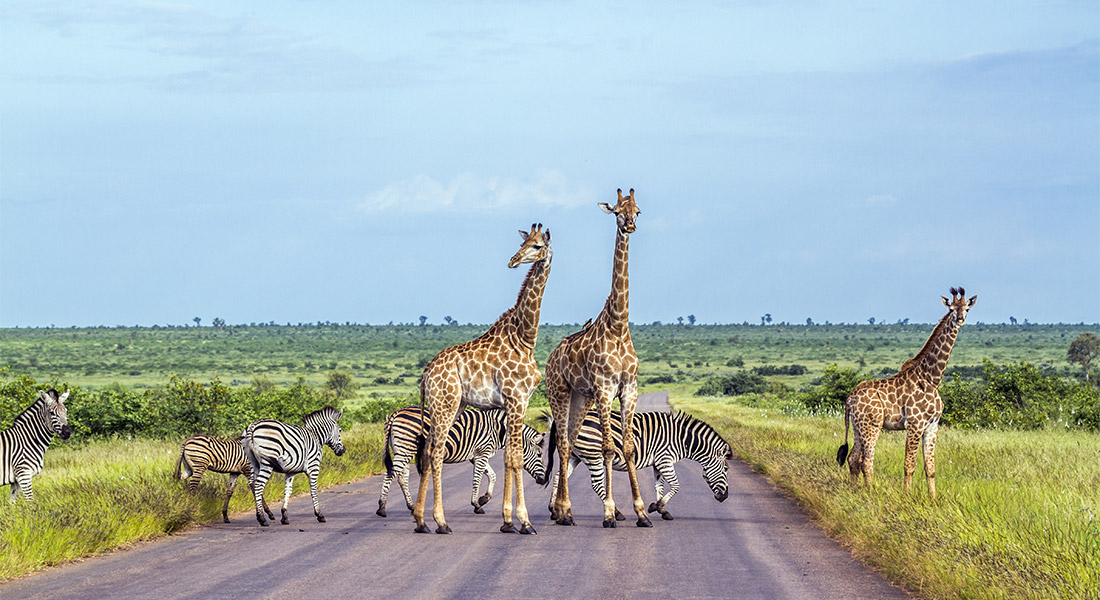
23,445
661,439
201,453
275,446
475,436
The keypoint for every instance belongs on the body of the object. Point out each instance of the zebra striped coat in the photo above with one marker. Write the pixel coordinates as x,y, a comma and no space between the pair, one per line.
475,436
274,446
201,453
661,439
23,445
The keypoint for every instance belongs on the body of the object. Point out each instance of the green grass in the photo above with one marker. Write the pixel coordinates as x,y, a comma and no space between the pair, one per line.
104,494
1015,514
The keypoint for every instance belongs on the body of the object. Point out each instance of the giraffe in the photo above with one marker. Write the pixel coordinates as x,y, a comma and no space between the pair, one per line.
909,400
496,370
594,366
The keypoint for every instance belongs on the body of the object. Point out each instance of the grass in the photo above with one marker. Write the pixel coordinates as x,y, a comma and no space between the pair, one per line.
105,494
1015,514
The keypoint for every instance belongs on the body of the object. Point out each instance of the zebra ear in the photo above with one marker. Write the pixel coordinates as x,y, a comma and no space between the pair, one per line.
64,396
339,414
44,396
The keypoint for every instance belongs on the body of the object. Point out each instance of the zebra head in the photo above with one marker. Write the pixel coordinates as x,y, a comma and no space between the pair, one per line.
716,468
57,413
325,423
532,454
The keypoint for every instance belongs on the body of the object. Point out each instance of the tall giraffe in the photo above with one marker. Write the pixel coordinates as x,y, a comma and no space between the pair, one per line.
496,370
594,366
909,400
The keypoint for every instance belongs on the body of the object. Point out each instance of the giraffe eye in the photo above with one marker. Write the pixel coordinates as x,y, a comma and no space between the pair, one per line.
537,246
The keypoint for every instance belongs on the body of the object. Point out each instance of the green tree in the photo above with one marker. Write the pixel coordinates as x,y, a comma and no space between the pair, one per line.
197,320
691,319
423,320
1083,350
340,386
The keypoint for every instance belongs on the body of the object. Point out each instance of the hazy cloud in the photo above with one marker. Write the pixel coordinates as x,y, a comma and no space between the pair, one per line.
469,193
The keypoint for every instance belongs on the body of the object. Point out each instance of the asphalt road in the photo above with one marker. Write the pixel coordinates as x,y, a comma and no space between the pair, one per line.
757,544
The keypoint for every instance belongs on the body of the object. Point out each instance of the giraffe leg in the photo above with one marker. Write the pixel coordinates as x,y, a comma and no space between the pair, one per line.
629,400
513,472
422,492
867,463
930,457
608,448
855,459
913,433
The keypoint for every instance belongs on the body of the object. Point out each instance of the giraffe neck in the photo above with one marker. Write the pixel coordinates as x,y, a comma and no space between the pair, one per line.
931,361
525,314
618,302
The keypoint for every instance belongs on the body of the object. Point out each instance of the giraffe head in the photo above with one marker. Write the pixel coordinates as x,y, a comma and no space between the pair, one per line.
625,211
959,305
535,247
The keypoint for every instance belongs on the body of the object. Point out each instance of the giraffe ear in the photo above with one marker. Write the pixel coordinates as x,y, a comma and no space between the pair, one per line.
971,301
546,236
606,207
523,234
945,302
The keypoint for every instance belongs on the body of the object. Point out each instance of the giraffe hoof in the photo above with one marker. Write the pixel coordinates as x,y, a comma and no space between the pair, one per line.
380,512
422,528
644,522
619,516
609,523
528,530
443,529
507,528
320,518
478,510
666,515
565,521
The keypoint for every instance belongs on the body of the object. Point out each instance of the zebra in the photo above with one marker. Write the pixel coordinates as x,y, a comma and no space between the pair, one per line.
275,446
200,453
24,444
661,439
475,436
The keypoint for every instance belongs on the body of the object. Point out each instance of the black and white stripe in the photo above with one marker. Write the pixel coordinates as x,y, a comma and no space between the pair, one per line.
661,439
23,445
201,453
475,436
274,446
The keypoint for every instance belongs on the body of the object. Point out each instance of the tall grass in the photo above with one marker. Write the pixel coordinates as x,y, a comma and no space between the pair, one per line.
1015,514
108,493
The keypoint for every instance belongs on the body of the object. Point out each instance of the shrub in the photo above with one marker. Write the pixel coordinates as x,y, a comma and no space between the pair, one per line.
741,382
830,392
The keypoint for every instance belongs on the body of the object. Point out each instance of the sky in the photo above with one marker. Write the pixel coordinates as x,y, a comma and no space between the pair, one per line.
371,161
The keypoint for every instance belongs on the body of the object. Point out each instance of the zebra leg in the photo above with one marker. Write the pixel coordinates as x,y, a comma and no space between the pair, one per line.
196,475
483,464
14,491
658,487
286,497
229,494
259,481
313,493
386,481
403,481
668,474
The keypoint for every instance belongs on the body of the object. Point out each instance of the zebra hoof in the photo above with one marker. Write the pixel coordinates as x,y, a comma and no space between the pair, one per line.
507,528
666,515
619,516
478,510
652,507
380,512
609,524
225,518
263,521
422,528
528,530
644,522
443,529
320,518
482,501
284,520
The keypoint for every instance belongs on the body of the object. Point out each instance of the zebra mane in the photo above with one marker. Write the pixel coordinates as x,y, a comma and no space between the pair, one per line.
35,407
687,420
327,411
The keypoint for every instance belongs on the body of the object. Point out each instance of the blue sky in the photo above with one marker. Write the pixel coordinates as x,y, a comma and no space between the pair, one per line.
371,162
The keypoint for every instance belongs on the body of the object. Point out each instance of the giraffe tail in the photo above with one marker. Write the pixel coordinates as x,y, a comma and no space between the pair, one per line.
842,452
552,435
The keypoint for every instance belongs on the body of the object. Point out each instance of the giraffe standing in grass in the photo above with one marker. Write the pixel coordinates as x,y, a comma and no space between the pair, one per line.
909,400
594,366
496,370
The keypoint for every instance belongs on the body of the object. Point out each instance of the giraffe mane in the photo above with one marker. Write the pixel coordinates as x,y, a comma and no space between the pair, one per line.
916,360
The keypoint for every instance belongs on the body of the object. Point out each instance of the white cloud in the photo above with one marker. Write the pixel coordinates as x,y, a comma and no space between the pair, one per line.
469,193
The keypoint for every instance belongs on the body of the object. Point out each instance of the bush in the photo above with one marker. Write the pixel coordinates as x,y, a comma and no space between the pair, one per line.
830,392
741,382
780,370
377,409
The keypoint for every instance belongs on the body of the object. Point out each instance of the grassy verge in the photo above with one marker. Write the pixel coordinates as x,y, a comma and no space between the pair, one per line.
106,494
1015,515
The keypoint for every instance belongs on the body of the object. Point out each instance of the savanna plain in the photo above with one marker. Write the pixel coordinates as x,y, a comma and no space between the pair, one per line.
1018,454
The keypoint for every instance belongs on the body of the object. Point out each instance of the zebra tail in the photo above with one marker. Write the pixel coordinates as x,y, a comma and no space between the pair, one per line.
842,452
387,459
553,445
179,465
